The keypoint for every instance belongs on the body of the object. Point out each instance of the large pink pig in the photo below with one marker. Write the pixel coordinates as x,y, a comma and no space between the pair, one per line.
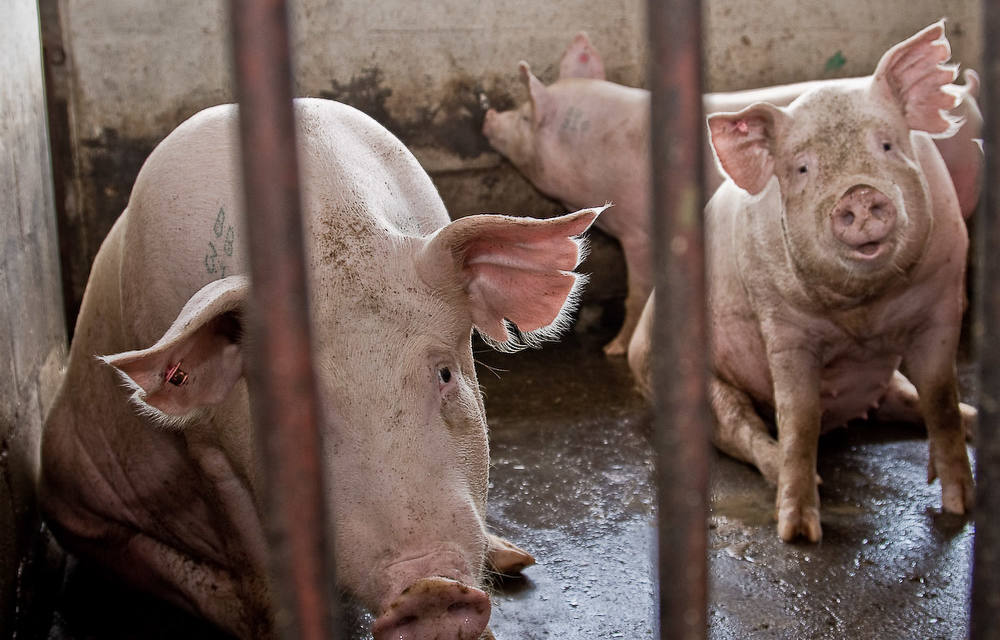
837,253
583,140
162,487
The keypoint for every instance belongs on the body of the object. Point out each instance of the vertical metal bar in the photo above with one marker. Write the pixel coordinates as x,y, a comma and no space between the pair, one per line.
679,334
281,377
985,622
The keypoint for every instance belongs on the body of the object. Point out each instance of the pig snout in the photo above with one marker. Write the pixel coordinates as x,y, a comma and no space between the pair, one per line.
435,608
862,219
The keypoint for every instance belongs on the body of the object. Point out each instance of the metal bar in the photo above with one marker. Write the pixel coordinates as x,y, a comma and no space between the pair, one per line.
679,333
985,610
281,377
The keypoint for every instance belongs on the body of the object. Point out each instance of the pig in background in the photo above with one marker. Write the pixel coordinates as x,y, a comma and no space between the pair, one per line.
836,259
162,488
584,141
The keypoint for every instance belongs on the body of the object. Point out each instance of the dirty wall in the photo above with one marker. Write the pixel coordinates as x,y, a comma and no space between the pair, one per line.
32,335
124,73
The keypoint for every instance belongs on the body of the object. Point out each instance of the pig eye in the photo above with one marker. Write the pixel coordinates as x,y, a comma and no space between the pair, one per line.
886,146
803,169
444,375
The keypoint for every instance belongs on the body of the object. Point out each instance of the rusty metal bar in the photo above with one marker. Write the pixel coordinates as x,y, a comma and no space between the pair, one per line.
679,334
281,376
985,610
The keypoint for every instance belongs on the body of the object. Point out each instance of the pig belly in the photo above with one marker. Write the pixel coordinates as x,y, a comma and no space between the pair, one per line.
851,388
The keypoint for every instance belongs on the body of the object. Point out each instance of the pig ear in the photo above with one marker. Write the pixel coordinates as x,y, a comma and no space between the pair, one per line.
913,75
744,144
541,102
196,362
511,269
581,60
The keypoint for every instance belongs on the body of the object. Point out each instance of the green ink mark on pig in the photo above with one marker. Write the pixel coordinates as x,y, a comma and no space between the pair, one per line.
220,222
210,265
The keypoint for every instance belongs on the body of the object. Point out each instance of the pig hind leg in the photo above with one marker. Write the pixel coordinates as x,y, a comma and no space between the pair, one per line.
901,404
740,432
640,285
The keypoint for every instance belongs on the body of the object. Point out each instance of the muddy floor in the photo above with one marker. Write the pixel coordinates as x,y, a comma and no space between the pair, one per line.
571,483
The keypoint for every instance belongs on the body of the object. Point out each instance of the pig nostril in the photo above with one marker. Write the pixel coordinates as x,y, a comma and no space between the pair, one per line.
848,218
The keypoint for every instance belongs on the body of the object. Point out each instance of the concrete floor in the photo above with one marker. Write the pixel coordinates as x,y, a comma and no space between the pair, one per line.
571,483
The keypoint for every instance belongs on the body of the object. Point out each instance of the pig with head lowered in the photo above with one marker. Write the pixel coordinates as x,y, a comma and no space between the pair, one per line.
584,140
162,487
837,254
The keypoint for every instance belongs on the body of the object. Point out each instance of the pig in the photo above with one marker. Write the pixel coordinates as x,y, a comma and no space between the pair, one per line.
583,140
162,486
836,261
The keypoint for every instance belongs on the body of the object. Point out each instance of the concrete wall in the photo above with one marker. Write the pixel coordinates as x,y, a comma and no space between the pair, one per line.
32,334
133,69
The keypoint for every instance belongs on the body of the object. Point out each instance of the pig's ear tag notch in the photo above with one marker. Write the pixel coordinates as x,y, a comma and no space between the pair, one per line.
176,376
742,127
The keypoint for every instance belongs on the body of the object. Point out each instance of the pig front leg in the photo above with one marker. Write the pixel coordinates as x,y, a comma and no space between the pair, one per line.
640,285
798,411
739,430
931,366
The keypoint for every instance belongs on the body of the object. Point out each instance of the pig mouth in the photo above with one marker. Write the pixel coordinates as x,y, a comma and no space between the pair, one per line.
870,249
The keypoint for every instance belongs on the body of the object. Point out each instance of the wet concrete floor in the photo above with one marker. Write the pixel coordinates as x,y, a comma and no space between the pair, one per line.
571,470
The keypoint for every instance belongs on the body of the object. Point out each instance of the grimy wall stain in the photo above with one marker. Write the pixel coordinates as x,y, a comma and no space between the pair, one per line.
32,333
129,71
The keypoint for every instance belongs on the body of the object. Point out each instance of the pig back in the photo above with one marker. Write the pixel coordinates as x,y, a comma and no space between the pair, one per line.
186,223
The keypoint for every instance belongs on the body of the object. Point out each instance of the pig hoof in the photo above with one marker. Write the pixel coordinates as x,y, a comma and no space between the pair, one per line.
970,421
794,522
615,348
958,496
506,558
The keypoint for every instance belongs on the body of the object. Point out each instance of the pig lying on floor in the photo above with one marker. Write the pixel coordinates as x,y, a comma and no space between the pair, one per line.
583,140
162,487
837,252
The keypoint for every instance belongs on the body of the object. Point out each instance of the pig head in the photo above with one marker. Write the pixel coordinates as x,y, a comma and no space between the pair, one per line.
837,254
583,140
162,487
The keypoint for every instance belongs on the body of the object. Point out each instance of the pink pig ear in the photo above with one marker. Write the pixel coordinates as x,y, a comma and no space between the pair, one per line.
744,144
913,75
511,269
196,362
541,102
581,60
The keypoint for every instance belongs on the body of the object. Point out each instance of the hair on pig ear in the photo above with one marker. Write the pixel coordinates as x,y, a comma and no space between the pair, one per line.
913,75
515,272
